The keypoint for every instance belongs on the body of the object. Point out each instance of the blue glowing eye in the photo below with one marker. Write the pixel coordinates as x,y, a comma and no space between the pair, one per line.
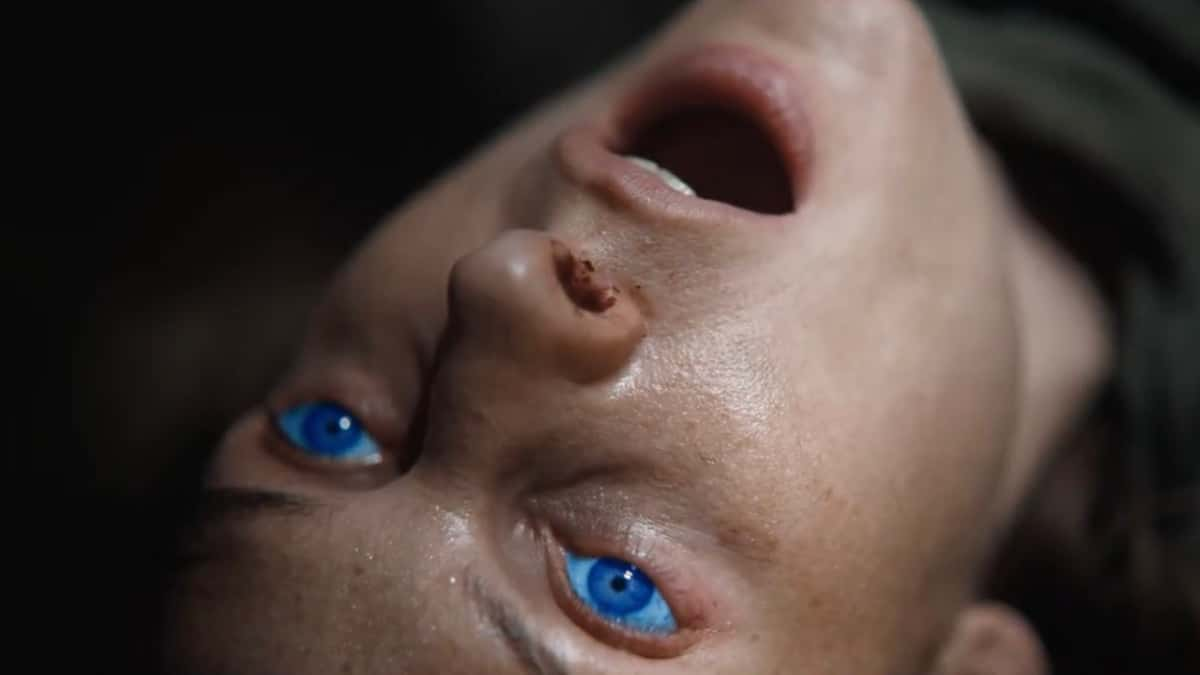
328,431
620,593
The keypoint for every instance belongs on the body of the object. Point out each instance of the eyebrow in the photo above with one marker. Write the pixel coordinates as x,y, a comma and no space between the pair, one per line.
235,502
534,655
199,534
753,544
220,505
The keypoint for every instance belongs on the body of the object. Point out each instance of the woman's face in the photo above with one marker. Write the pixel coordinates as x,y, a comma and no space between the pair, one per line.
787,400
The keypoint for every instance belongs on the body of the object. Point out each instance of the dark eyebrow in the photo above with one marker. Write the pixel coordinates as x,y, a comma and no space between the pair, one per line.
535,656
203,534
234,502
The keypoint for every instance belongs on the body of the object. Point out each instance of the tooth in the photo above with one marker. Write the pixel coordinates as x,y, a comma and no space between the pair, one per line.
672,181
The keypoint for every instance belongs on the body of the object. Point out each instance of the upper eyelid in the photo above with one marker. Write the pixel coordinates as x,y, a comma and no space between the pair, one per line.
745,541
595,528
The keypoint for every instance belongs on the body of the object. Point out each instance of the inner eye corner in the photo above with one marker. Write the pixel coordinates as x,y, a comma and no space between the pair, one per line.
720,152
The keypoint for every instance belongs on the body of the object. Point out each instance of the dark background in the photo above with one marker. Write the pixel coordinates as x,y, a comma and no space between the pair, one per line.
207,174
230,172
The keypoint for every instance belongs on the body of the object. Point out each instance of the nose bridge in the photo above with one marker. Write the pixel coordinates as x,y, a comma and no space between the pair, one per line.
531,298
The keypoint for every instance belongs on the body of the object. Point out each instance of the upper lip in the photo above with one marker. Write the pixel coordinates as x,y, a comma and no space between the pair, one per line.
734,78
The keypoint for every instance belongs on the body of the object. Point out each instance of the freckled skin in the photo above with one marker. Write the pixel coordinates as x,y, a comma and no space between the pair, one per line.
809,433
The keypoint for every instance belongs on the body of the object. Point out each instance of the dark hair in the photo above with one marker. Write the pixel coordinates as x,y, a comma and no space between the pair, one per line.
1097,564
1090,109
1103,558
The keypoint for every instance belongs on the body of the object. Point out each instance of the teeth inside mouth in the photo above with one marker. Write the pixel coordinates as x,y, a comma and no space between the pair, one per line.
672,181
720,155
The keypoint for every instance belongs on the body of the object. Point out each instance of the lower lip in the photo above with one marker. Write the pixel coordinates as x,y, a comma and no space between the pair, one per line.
734,78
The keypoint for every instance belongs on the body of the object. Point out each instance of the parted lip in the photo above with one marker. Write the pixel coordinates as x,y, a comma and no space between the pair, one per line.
733,78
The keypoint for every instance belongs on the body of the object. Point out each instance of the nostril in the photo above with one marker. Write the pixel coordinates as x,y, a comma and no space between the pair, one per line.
587,288
537,302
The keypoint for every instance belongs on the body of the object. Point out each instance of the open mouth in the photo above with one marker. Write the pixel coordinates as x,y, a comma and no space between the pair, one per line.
720,135
715,154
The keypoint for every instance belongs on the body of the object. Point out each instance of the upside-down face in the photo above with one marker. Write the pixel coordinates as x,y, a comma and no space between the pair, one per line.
710,366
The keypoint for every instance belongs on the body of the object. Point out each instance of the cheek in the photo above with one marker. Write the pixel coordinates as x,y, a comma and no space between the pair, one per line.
902,389
913,402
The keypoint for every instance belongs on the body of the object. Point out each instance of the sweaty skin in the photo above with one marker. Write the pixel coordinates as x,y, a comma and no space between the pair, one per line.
809,428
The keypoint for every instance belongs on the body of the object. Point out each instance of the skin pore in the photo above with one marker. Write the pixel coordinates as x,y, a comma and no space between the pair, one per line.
809,428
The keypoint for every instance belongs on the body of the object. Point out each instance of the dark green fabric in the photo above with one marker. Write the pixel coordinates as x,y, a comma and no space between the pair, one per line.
1110,85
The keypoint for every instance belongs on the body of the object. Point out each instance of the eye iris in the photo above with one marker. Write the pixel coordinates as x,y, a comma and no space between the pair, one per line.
330,430
617,591
619,587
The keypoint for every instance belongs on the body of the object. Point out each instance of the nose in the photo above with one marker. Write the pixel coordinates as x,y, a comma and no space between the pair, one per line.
529,297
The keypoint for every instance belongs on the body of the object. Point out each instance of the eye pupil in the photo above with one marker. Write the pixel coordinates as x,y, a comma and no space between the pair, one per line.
619,586
619,592
330,430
